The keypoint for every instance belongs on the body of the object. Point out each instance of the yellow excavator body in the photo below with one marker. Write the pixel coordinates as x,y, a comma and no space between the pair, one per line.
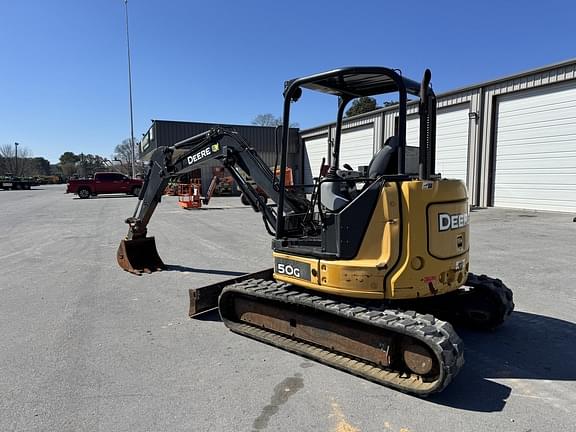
414,247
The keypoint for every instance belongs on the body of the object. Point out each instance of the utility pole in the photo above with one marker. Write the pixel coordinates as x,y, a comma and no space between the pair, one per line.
16,161
130,92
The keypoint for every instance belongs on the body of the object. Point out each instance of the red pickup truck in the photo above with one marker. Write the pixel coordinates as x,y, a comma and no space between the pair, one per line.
105,183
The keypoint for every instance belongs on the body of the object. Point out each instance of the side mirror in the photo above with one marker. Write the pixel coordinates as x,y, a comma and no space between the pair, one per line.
297,94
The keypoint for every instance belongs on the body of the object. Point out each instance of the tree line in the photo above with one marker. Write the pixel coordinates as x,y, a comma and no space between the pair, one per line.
85,165
69,163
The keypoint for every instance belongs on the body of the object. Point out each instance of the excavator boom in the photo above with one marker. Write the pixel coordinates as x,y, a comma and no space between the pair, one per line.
137,253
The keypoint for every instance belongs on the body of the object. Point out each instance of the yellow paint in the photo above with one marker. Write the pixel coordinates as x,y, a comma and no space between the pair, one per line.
341,424
406,219
388,426
445,263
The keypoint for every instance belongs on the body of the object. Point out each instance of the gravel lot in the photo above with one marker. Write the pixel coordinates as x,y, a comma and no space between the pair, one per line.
85,346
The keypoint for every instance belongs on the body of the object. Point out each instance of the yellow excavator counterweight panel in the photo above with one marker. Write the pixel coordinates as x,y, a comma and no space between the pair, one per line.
416,245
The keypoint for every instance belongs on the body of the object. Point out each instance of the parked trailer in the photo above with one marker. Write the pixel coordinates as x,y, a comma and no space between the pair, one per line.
16,183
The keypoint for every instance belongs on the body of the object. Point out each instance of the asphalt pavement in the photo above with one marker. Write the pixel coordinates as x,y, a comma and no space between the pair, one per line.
85,346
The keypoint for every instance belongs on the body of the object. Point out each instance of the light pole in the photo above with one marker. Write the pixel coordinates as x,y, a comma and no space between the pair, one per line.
130,91
82,166
16,161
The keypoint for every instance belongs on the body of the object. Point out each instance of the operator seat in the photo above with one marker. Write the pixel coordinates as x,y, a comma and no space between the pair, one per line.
335,195
380,162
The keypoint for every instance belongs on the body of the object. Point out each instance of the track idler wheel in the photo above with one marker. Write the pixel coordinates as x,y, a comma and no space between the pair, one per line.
418,359
139,256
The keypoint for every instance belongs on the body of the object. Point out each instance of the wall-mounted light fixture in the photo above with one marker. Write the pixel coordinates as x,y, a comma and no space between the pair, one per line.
473,115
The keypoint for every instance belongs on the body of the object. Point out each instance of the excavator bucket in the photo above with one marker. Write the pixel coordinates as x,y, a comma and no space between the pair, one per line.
139,256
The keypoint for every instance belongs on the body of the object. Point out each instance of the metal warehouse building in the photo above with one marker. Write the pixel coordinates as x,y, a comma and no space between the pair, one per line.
512,140
261,138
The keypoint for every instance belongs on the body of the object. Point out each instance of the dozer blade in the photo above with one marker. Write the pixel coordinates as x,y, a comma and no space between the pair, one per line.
206,298
139,256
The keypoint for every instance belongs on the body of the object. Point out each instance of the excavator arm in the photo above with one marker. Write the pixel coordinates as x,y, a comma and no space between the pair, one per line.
137,252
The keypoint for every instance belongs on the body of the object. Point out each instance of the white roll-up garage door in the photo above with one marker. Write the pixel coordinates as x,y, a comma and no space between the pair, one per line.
413,131
357,146
316,148
536,149
451,141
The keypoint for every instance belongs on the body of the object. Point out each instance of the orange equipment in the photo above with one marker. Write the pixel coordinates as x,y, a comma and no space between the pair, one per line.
289,180
189,195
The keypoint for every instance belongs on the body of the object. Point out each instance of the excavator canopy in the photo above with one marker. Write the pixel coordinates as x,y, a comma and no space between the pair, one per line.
358,81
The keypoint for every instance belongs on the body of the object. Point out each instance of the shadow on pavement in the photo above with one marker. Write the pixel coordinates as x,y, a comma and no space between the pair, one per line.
179,268
210,315
217,208
226,208
106,197
527,346
22,190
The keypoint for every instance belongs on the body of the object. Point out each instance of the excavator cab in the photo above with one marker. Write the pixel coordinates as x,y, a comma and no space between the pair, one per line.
372,222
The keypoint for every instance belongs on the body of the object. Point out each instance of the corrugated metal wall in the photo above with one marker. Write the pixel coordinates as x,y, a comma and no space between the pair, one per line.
262,138
481,100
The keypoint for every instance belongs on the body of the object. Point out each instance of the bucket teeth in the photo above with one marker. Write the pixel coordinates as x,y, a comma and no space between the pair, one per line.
139,256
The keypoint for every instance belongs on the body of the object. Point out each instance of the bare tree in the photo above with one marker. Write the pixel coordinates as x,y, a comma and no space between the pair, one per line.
9,164
266,120
123,156
90,164
270,120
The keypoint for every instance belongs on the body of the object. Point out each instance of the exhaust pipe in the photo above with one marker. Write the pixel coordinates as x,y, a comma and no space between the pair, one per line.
139,256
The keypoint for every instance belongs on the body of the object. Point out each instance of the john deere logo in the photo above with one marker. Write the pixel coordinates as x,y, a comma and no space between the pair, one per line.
200,155
452,221
215,147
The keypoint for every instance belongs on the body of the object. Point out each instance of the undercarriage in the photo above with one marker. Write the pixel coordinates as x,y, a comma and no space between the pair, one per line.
400,345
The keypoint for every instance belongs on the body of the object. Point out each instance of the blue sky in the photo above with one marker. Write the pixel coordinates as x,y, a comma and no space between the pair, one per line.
63,67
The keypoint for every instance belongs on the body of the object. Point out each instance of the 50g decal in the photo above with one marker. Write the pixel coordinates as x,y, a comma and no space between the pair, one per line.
288,270
292,268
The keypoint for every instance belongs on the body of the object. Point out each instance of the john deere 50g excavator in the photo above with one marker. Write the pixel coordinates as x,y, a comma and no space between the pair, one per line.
368,269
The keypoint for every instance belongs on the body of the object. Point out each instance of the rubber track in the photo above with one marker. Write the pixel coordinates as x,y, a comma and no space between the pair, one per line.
479,293
495,288
438,335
